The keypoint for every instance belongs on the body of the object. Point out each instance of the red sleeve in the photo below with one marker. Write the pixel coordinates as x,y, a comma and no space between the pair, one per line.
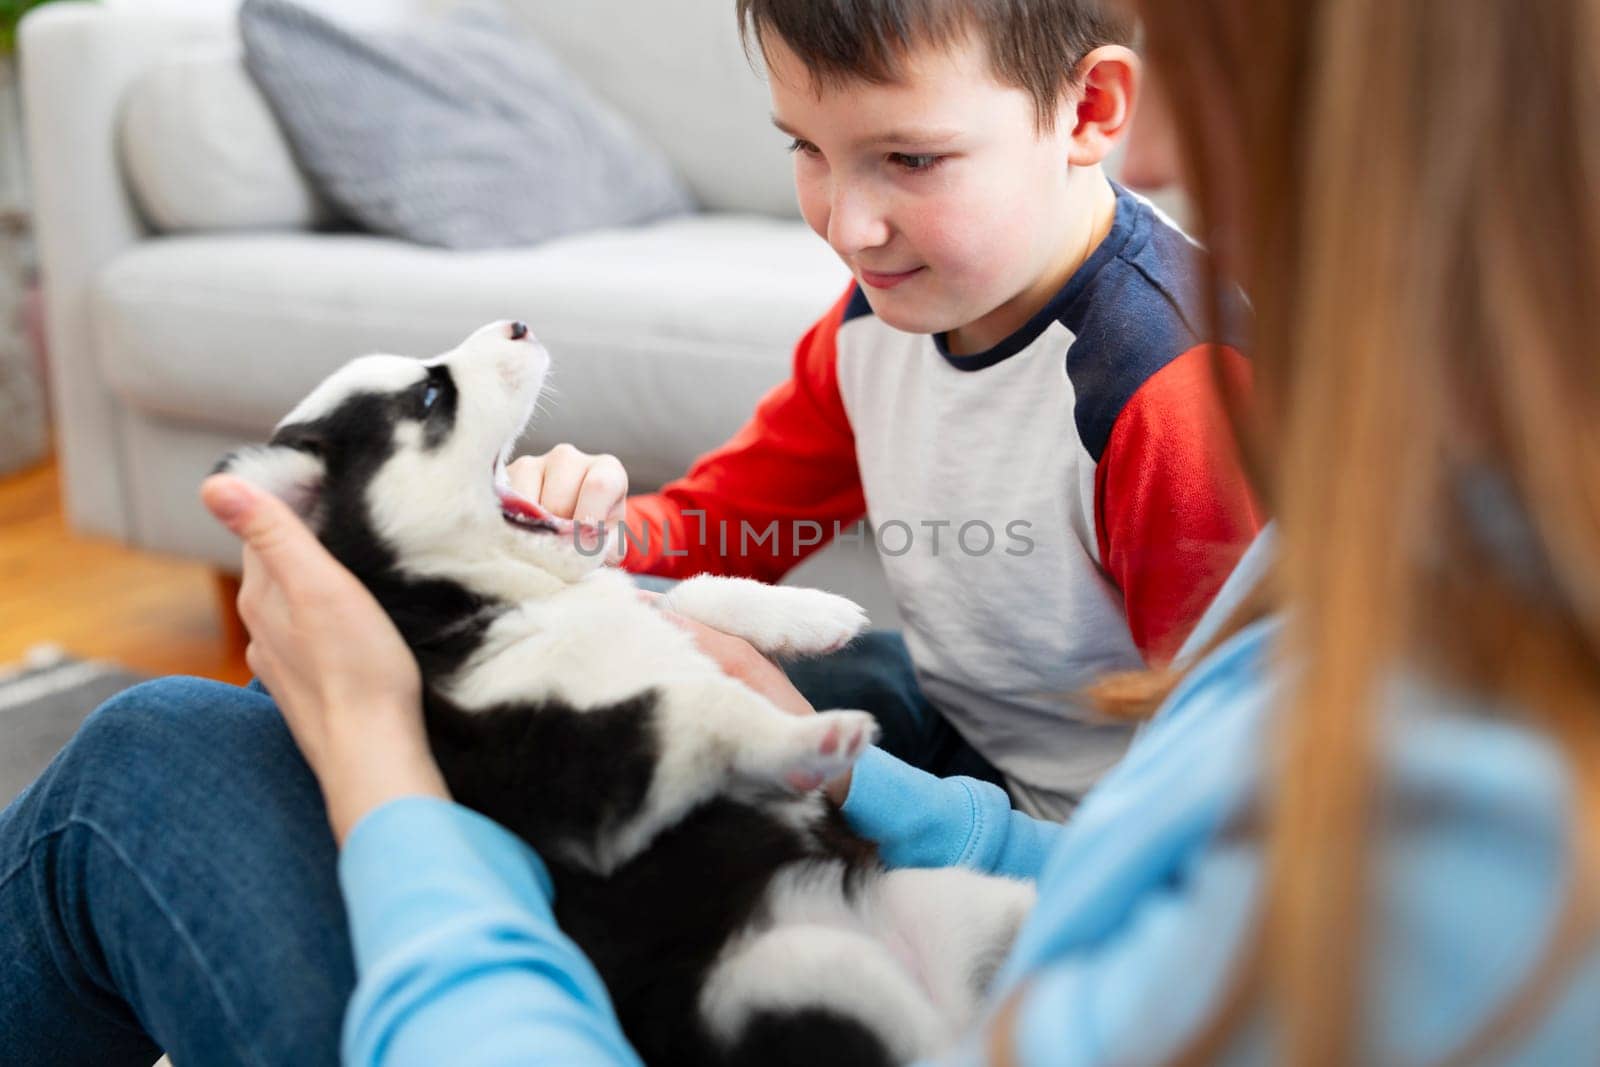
772,495
1173,509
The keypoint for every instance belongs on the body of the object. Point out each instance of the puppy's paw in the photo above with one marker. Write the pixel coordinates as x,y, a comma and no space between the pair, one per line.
814,748
829,745
814,623
778,620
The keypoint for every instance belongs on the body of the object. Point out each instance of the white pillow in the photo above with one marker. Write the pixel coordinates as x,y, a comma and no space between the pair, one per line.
202,151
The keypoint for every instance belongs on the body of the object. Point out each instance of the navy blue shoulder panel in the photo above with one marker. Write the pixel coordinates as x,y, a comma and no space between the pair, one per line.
857,307
1143,310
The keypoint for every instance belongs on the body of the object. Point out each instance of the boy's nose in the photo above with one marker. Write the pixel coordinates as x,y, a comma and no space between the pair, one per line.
855,224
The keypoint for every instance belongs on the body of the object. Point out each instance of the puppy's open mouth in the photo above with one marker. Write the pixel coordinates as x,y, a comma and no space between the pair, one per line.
526,514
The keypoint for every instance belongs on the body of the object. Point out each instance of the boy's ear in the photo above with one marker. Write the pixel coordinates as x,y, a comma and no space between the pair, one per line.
1100,105
292,473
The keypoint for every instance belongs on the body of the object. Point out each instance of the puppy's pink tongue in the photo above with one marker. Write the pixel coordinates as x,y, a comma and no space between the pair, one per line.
522,507
590,534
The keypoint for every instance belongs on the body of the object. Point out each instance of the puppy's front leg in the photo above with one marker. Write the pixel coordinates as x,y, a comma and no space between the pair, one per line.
778,620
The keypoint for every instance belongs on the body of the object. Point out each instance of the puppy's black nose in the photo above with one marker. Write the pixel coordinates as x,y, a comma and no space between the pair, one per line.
519,330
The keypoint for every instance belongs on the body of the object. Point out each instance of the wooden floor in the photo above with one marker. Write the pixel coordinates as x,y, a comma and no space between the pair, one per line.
100,600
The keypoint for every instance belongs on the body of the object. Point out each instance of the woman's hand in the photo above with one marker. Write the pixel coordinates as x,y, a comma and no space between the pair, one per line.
347,685
739,660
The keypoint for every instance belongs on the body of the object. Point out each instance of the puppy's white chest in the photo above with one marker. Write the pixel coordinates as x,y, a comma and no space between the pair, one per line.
584,648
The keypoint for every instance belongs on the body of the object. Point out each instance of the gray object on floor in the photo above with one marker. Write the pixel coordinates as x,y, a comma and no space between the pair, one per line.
41,708
457,132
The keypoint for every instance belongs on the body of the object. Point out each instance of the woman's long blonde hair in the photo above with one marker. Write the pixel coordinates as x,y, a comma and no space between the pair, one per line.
1409,191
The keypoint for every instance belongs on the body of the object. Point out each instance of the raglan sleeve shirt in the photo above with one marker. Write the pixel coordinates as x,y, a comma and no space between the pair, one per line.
1174,511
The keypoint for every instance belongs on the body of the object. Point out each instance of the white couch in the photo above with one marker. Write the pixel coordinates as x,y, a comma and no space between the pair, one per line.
169,348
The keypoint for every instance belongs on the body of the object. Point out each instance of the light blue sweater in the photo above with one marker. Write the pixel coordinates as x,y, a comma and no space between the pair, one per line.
1144,897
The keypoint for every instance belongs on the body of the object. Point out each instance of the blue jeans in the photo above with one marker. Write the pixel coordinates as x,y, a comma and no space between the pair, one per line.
874,673
170,882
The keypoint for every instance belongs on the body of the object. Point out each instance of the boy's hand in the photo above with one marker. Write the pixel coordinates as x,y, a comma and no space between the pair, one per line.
575,485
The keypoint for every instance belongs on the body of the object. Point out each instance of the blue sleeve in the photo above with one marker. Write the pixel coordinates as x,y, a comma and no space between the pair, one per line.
1469,883
1139,996
457,952
922,821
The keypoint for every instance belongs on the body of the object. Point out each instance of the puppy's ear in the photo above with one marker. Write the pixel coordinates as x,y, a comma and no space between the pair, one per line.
292,473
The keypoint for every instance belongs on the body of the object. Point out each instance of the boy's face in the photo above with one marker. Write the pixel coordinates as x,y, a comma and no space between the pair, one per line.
952,211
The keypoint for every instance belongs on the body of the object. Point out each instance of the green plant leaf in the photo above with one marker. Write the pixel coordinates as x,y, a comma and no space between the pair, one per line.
11,12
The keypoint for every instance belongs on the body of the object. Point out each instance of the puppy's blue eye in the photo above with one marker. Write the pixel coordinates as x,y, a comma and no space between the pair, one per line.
430,396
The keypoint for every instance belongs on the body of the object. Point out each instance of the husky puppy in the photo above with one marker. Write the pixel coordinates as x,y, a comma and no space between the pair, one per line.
734,919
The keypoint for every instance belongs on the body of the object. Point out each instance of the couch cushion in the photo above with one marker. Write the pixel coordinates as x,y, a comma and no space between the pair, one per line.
458,132
663,336
202,151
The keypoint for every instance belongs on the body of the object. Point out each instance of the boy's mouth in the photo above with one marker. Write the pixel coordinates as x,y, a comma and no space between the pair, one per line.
888,279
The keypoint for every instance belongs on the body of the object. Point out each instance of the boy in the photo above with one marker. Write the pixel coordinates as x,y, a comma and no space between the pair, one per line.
1013,391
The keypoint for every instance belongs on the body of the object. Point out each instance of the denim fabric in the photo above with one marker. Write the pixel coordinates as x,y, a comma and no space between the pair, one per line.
874,673
170,881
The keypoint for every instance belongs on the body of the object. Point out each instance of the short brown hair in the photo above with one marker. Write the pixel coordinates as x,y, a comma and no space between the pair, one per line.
1034,45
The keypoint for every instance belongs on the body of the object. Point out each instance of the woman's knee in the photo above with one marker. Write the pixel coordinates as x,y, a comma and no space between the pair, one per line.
174,741
172,796
166,712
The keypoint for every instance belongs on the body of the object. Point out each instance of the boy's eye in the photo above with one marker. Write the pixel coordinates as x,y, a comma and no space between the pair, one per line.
804,147
914,163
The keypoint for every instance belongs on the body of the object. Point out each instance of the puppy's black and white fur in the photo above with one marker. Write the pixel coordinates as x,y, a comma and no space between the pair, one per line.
733,920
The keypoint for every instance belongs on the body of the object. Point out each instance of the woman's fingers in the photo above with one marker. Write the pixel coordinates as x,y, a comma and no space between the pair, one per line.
336,665
282,545
322,628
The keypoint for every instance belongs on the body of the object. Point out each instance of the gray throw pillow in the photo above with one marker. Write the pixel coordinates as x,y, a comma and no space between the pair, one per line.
459,132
